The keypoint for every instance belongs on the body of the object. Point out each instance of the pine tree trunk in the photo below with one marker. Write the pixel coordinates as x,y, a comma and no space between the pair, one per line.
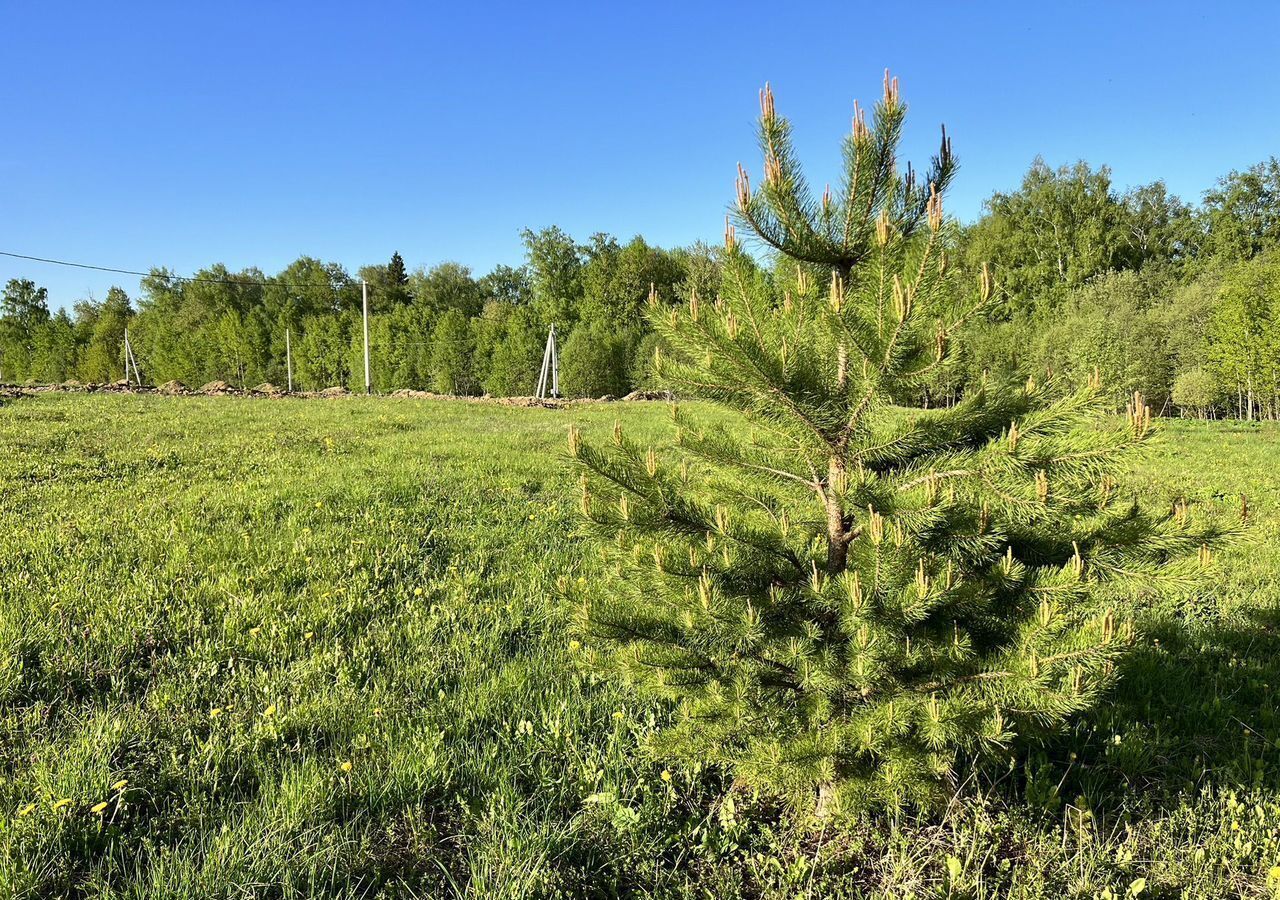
837,542
826,800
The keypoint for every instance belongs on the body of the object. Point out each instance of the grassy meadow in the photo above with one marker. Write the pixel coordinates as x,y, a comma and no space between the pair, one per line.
279,648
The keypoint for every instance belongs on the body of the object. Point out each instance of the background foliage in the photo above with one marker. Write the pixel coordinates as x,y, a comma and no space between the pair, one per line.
1155,292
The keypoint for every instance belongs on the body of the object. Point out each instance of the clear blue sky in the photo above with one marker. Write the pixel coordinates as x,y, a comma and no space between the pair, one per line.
140,134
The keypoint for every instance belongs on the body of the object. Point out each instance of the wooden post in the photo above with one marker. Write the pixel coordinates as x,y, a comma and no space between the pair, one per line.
288,359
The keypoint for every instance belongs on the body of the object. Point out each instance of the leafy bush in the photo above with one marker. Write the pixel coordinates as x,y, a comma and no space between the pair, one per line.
595,362
1199,392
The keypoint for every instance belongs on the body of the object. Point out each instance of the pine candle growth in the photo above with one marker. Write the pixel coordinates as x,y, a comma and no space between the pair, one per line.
845,594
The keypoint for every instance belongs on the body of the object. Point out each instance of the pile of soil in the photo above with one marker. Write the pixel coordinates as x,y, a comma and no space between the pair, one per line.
647,395
172,387
216,387
115,387
335,391
530,402
421,395
267,388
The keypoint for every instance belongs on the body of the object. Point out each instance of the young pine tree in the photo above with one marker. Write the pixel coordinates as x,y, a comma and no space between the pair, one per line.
841,594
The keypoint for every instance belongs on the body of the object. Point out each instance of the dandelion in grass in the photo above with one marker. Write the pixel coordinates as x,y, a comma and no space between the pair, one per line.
269,711
215,712
120,785
65,801
666,776
345,766
98,807
26,810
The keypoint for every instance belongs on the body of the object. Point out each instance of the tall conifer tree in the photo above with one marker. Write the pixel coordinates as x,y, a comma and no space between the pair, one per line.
842,594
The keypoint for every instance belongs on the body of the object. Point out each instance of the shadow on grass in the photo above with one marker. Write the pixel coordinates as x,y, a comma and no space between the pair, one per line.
1194,711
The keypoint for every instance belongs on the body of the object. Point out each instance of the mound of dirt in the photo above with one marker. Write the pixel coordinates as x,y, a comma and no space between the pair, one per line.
647,395
335,391
216,387
172,387
530,402
267,388
421,395
72,385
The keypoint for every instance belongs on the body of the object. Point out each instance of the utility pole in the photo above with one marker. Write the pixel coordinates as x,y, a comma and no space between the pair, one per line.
364,294
129,359
128,349
288,359
550,374
555,365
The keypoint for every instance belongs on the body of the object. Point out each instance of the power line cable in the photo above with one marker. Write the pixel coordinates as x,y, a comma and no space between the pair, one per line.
192,279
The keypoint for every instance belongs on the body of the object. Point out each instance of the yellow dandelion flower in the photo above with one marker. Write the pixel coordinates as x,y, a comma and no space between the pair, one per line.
346,765
666,776
215,712
255,631
309,635
377,712
574,646
61,803
120,785
26,810
417,592
269,711
98,807
618,716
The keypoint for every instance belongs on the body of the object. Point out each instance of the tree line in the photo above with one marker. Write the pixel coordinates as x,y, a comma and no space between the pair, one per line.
1179,301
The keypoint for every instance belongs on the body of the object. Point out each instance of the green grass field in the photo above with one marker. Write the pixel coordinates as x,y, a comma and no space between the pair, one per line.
272,648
